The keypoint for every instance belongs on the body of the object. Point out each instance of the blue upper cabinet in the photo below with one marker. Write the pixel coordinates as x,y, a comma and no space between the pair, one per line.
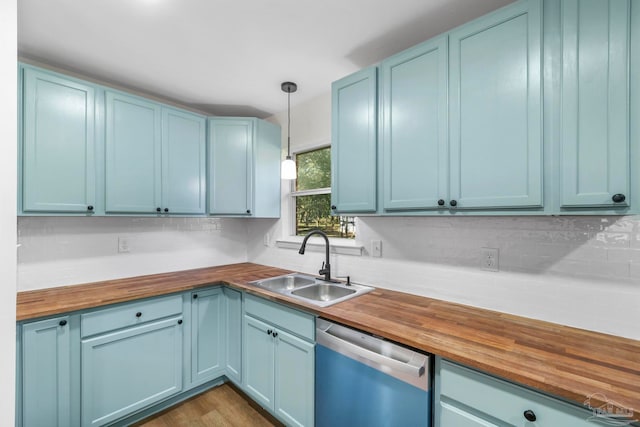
495,109
414,127
133,154
183,162
58,146
244,167
354,143
595,103
155,158
230,166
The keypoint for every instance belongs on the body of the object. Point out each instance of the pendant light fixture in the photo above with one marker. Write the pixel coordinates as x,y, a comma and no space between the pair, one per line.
288,169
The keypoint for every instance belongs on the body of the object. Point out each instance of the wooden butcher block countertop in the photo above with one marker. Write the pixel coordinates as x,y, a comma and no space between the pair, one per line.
563,361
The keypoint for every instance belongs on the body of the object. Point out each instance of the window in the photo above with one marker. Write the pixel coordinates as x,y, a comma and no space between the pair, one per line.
312,197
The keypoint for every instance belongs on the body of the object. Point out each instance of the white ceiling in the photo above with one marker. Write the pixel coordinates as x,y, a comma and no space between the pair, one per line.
228,57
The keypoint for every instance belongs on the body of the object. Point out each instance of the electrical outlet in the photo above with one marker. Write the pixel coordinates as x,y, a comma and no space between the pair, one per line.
490,258
376,248
123,244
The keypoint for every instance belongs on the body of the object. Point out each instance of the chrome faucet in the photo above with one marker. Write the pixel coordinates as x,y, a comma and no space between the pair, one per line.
326,267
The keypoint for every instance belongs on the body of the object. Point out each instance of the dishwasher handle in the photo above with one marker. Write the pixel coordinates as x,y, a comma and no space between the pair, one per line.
344,341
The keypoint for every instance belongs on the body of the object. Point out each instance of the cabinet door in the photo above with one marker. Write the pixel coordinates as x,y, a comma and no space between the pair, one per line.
495,110
258,359
183,162
233,331
46,373
58,173
125,371
133,155
595,102
206,335
415,127
354,142
294,374
230,151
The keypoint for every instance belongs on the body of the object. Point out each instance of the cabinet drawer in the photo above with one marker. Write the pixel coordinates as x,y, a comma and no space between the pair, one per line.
281,316
130,314
489,398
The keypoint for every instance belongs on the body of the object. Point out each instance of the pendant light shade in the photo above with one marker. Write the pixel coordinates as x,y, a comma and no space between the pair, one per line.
288,168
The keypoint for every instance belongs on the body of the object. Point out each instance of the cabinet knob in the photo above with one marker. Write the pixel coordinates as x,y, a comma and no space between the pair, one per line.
90,208
195,296
453,203
529,415
62,322
269,331
618,198
166,209
138,314
275,334
248,211
180,322
441,202
158,210
334,207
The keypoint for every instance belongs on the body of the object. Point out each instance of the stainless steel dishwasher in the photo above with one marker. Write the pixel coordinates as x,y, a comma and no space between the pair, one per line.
363,380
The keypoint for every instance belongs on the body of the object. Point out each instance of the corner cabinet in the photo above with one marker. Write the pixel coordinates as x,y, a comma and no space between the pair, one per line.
244,167
207,326
354,143
58,149
155,158
595,82
495,109
465,397
279,360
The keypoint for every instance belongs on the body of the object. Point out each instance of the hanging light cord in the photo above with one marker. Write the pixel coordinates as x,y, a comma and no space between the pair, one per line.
288,124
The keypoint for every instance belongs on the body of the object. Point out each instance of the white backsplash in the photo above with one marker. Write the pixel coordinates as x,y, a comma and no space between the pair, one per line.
577,271
57,251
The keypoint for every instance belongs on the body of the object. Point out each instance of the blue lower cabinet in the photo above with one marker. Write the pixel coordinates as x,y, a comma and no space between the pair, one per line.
130,369
206,335
468,398
279,371
48,387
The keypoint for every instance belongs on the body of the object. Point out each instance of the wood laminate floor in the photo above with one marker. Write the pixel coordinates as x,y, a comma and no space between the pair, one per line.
221,406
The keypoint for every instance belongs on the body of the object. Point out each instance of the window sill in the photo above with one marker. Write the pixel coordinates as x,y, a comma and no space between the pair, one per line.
316,244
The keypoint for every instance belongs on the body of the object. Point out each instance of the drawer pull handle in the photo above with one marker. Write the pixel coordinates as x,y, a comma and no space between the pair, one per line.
530,415
618,198
138,314
62,322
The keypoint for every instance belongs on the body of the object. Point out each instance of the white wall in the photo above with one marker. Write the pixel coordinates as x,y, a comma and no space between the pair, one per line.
56,251
578,271
8,135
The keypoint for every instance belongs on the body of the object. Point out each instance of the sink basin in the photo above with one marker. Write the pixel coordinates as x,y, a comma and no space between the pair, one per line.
323,292
290,281
311,289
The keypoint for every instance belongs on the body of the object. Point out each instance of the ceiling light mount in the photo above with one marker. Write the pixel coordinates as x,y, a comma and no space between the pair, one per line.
288,169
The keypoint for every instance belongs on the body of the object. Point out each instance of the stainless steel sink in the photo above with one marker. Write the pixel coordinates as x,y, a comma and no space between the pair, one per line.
288,282
312,289
323,292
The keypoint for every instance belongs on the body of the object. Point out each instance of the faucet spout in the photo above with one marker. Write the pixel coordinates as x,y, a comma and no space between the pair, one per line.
326,267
